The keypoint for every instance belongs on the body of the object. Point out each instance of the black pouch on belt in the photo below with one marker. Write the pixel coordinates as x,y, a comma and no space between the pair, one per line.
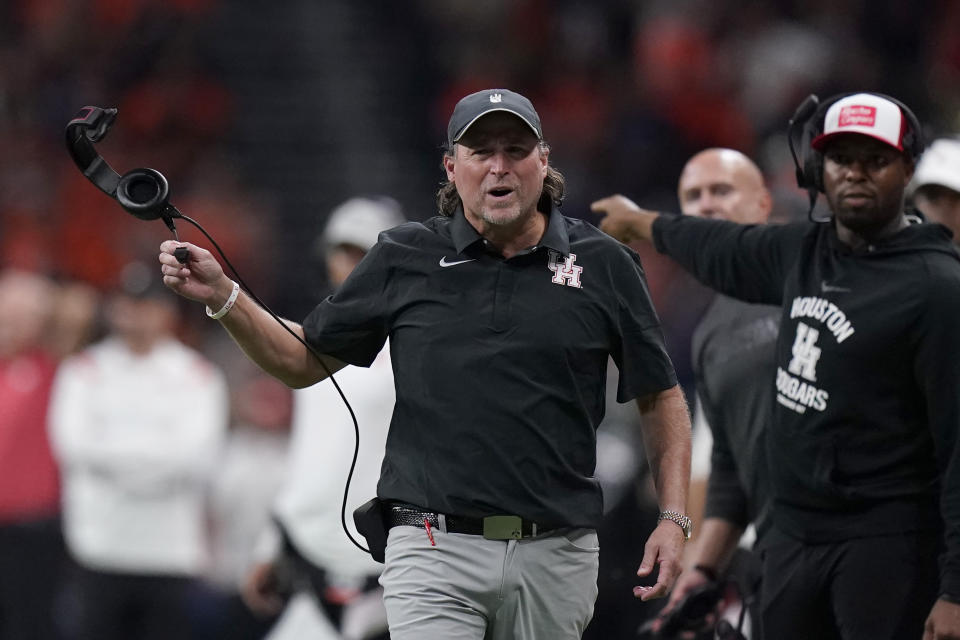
370,523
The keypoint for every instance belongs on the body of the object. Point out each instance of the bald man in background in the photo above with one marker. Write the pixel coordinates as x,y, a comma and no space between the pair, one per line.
733,362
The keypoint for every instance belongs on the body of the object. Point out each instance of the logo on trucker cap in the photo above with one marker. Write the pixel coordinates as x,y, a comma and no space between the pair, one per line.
857,115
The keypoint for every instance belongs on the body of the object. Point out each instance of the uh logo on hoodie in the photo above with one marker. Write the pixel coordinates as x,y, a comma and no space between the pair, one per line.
796,388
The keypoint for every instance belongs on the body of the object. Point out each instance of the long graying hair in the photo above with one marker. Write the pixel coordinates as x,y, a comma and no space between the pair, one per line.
553,188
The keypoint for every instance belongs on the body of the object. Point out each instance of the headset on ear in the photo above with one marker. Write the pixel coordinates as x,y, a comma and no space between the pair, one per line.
144,193
807,123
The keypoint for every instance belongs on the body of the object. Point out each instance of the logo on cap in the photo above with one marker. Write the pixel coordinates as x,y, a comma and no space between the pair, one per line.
476,105
857,116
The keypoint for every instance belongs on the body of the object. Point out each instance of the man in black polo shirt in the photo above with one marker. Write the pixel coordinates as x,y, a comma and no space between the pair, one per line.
501,314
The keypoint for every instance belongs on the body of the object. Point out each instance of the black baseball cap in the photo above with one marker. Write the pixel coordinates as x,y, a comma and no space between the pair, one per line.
476,105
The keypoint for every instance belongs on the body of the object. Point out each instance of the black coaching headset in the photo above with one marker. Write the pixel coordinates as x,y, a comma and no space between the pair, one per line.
145,194
807,123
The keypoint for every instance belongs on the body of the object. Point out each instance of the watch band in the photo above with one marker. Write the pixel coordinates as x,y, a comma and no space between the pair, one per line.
681,520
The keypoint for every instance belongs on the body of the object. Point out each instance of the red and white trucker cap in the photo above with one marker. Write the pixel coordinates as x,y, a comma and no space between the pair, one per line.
866,114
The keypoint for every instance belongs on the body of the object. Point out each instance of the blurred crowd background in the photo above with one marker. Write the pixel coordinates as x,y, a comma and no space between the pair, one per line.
265,116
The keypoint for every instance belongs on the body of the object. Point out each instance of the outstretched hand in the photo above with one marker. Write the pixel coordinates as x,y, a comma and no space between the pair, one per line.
624,220
663,548
201,278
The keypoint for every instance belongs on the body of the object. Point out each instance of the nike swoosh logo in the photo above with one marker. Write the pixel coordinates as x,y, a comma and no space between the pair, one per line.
444,263
827,288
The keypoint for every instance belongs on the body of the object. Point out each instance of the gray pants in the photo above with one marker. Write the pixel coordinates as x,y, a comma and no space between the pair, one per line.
466,587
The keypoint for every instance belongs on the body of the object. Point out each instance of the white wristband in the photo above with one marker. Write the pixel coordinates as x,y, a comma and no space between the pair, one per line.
226,305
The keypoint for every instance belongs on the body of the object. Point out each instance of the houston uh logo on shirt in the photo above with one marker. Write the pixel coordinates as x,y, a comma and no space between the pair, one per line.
795,388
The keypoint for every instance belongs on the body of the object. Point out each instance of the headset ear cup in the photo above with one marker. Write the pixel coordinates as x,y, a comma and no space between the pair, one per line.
143,193
809,161
813,159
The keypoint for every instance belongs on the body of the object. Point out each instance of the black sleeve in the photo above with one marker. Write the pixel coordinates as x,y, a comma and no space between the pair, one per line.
352,325
749,262
937,370
640,353
725,497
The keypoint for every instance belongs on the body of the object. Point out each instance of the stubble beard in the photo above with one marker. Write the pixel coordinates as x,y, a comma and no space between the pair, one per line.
865,221
501,217
508,214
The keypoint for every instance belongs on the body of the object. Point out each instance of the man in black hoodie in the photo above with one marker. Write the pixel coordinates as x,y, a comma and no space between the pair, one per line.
864,462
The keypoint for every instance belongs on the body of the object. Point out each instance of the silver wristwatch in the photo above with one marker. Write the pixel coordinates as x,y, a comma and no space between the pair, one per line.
681,520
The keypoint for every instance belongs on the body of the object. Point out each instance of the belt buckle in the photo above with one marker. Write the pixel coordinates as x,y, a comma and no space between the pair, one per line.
502,528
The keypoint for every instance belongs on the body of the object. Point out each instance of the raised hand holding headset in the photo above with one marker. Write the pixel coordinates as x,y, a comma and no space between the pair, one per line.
145,193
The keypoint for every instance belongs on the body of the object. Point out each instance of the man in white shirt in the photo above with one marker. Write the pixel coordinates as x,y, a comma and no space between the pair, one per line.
308,544
136,422
936,184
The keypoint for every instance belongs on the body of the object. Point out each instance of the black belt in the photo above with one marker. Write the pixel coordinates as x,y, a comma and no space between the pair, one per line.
492,527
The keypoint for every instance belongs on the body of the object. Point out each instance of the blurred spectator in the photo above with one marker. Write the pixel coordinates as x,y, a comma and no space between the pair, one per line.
936,184
249,473
76,318
31,551
310,550
248,476
137,421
